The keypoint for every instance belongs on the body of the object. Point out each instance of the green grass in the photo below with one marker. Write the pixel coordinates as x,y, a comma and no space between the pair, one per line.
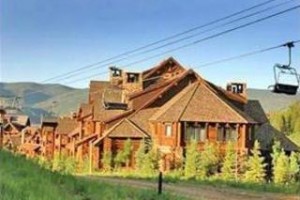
22,179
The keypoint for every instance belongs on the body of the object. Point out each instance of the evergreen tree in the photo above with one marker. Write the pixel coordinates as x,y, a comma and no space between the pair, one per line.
191,160
140,156
294,167
255,171
127,152
208,162
123,156
281,169
229,165
276,150
150,163
107,161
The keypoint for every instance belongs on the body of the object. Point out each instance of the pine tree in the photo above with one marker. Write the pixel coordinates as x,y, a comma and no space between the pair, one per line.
294,167
229,165
255,171
276,150
123,156
107,161
281,169
127,152
140,156
191,160
208,162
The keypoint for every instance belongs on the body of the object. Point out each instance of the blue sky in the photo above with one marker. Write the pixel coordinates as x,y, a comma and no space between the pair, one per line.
42,39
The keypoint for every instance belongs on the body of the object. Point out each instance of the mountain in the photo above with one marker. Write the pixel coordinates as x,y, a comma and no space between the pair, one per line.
270,101
38,99
41,99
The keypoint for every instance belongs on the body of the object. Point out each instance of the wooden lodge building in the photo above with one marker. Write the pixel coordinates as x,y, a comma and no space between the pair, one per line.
166,105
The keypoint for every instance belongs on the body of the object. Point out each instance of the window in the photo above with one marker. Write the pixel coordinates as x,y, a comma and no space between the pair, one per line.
195,132
227,133
251,132
168,129
132,77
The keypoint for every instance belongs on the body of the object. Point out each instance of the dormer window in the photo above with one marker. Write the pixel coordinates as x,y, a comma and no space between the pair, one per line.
132,77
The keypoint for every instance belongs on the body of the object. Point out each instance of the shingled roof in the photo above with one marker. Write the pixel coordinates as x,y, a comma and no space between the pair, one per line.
66,125
199,103
158,68
85,110
267,134
254,109
101,92
123,129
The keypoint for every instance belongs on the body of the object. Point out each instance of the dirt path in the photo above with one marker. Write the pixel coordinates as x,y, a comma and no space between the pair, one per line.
197,191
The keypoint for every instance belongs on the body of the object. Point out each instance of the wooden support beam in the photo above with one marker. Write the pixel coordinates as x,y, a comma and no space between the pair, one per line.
90,157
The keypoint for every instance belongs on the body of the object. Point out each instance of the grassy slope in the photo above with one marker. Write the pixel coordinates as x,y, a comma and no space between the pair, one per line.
22,179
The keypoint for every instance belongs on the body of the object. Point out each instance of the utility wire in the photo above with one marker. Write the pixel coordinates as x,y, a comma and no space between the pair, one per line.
181,39
194,42
217,61
161,40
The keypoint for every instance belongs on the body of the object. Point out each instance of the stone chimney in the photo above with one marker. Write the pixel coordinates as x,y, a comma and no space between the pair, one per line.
237,88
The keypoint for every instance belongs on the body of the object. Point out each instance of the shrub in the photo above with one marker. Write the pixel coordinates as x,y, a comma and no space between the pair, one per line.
281,169
123,156
294,167
229,165
255,171
191,160
140,156
209,161
107,161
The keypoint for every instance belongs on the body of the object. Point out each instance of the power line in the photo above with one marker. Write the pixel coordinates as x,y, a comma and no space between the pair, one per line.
161,40
182,39
251,53
196,42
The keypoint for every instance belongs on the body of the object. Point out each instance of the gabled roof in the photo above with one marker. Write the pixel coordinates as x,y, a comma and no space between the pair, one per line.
199,102
85,110
48,120
150,72
126,129
123,129
66,125
18,119
267,134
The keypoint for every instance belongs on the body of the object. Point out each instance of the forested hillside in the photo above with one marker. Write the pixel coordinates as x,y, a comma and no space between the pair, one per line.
288,121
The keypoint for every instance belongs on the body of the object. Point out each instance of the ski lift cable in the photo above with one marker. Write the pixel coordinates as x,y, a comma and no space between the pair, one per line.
179,40
163,40
192,43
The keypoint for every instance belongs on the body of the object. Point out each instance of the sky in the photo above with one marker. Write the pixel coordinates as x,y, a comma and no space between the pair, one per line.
42,39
